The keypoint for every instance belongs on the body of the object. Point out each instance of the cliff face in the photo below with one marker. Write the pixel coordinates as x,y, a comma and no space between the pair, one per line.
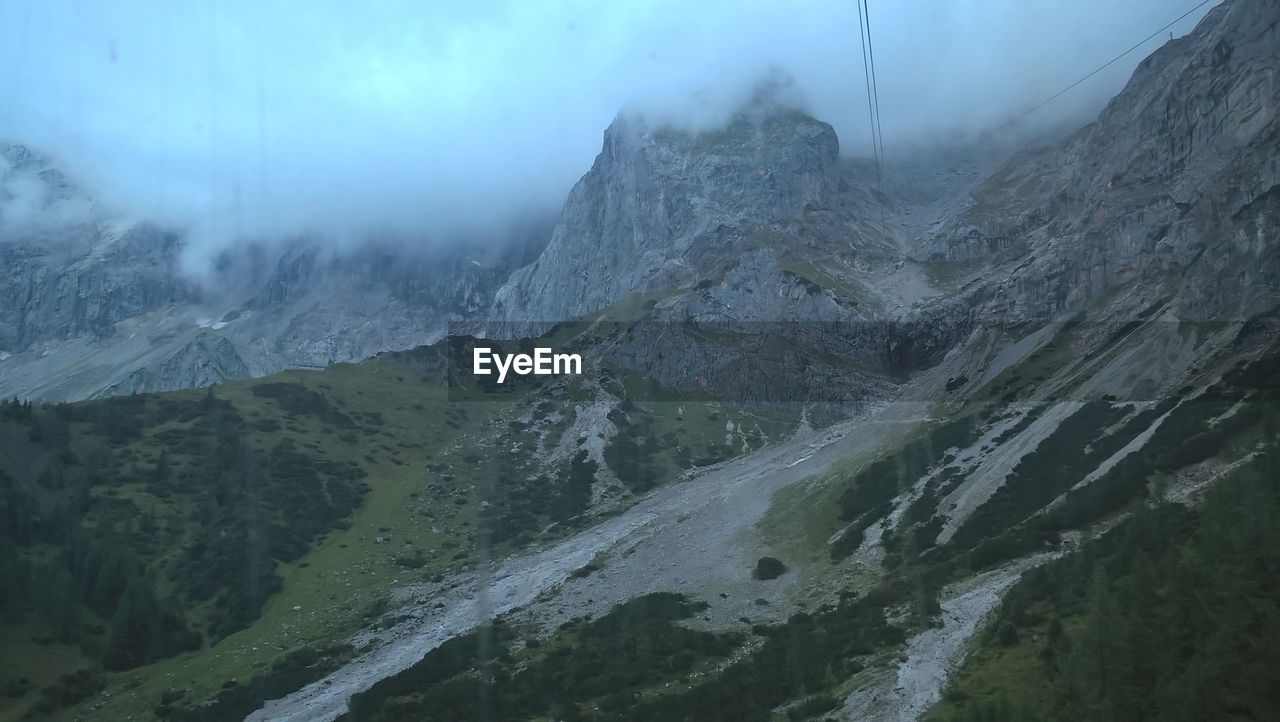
1174,187
1170,195
319,307
663,208
94,304
65,270
204,361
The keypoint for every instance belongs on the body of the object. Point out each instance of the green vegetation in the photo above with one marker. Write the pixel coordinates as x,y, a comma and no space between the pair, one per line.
870,493
190,554
1173,615
287,674
1058,356
1227,415
193,538
186,556
809,654
1076,447
816,279
812,708
98,553
630,454
656,441
635,663
591,669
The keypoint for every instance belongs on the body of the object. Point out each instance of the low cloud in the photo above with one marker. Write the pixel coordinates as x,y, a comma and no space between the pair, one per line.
31,205
272,119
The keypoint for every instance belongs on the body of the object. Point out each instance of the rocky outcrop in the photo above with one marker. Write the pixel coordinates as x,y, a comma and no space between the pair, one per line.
206,360
93,304
68,270
749,253
663,208
1174,185
320,306
762,334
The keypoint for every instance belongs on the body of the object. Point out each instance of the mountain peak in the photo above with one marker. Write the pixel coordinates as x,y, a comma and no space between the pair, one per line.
17,156
770,118
665,206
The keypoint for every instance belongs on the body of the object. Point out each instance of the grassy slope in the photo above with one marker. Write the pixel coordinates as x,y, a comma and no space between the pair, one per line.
910,582
419,438
429,465
326,591
1019,668
1183,601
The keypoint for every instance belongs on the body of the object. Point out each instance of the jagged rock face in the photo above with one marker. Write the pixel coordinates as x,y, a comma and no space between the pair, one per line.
92,304
1172,194
1174,184
65,270
205,360
754,244
42,299
453,280
662,208
760,335
323,307
765,334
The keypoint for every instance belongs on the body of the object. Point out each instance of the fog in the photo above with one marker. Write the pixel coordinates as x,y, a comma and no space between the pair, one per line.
262,119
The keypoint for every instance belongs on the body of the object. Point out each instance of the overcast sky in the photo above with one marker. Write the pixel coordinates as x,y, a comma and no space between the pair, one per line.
261,118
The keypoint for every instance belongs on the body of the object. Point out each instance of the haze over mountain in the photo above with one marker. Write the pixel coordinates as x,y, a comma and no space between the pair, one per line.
237,120
167,222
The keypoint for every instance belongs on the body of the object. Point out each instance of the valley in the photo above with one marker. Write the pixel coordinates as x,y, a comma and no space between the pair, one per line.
993,440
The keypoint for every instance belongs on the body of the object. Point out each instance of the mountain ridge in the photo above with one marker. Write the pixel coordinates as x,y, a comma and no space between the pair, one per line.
95,304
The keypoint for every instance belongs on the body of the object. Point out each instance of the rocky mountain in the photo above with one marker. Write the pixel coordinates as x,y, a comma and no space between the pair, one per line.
1083,416
94,304
757,250
763,209
663,208
755,224
1165,205
68,269
1172,191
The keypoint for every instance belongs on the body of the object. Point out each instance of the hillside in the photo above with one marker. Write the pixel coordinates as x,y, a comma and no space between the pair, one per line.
886,575
1076,359
245,531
